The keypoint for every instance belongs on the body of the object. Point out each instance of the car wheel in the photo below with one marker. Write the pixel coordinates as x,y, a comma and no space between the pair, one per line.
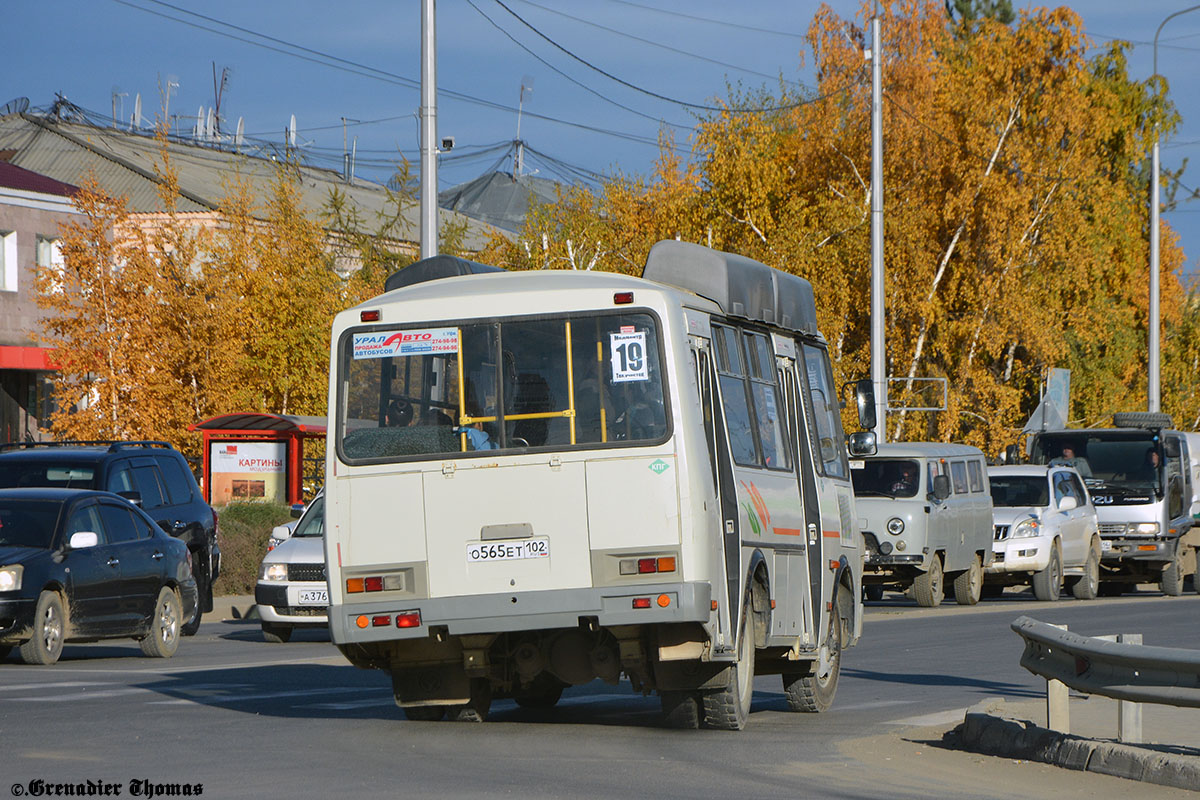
729,708
203,597
1087,586
1171,582
276,634
812,691
49,630
968,584
928,589
163,639
1047,583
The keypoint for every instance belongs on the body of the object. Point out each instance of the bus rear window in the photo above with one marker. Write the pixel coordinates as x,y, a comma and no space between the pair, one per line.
504,385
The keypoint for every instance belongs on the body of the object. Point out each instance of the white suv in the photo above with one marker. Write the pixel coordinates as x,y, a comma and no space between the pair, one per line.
1046,532
292,591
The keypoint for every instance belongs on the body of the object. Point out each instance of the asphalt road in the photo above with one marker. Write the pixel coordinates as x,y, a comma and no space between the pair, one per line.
242,718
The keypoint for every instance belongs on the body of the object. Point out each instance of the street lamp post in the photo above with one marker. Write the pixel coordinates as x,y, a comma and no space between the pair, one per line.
1154,379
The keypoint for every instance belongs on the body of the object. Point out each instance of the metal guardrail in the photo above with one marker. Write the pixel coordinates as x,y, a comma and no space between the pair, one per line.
1124,671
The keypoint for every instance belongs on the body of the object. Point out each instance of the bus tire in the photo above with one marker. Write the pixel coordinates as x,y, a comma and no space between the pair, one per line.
728,709
543,692
1142,419
1048,582
968,584
929,587
476,710
810,691
873,592
681,710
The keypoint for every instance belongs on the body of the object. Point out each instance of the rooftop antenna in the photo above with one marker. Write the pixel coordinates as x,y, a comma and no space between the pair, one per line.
172,83
218,92
519,161
136,120
118,96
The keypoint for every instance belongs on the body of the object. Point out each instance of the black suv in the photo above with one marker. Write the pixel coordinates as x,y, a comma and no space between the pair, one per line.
152,475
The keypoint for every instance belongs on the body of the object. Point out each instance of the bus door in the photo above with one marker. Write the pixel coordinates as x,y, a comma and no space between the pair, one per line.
806,570
729,546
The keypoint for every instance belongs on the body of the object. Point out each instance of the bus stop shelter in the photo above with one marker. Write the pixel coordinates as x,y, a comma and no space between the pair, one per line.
256,456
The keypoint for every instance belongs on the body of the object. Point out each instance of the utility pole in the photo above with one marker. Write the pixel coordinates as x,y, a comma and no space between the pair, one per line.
878,351
429,220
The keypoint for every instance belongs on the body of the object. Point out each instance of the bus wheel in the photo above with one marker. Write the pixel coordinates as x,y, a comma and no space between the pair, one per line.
873,592
812,691
543,692
1171,582
928,588
680,710
729,708
477,709
969,584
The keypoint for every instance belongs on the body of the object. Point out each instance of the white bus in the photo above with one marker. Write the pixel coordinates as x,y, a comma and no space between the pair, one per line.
538,479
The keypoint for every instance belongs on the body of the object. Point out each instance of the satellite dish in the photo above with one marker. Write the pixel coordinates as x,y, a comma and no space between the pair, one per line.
18,106
137,111
291,136
210,125
241,129
199,129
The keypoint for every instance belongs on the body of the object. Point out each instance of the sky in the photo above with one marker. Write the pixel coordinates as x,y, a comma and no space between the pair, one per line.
601,78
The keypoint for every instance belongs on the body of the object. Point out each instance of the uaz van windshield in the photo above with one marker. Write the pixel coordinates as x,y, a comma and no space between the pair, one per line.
501,385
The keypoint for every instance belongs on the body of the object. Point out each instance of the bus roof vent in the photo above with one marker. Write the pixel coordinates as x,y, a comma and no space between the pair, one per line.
741,286
435,268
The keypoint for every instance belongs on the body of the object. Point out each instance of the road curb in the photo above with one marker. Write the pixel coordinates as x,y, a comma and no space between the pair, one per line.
985,729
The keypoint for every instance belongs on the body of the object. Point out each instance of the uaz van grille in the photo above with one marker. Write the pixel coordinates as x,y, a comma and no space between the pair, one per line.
1001,532
306,572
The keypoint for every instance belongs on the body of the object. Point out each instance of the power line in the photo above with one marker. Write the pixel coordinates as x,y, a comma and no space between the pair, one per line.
723,23
373,73
636,88
565,75
653,43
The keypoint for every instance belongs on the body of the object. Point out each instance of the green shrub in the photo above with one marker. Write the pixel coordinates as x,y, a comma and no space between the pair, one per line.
244,529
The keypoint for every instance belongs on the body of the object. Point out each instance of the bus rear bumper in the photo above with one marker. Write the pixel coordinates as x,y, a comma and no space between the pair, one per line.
378,621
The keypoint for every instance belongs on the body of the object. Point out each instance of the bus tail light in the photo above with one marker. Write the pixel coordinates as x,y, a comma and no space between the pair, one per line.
369,316
647,565
381,620
622,298
641,602
408,619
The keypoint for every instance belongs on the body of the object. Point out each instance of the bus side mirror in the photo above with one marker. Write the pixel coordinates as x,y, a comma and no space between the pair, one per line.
1012,454
861,444
864,396
941,487
1171,448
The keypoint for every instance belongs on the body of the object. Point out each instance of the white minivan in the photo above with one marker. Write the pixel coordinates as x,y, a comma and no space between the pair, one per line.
1046,532
926,516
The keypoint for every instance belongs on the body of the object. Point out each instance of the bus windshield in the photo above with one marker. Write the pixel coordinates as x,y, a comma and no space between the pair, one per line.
496,385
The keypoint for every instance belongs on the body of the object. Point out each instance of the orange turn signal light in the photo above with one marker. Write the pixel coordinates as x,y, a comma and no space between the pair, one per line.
363,621
664,600
354,585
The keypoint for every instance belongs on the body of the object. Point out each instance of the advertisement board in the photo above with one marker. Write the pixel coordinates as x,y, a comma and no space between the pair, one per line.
248,471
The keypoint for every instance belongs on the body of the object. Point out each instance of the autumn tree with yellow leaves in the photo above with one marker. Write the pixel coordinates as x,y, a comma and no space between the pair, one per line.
1015,234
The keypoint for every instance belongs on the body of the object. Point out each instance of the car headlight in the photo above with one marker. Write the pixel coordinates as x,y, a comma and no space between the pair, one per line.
273,572
1026,527
10,578
895,526
1144,528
